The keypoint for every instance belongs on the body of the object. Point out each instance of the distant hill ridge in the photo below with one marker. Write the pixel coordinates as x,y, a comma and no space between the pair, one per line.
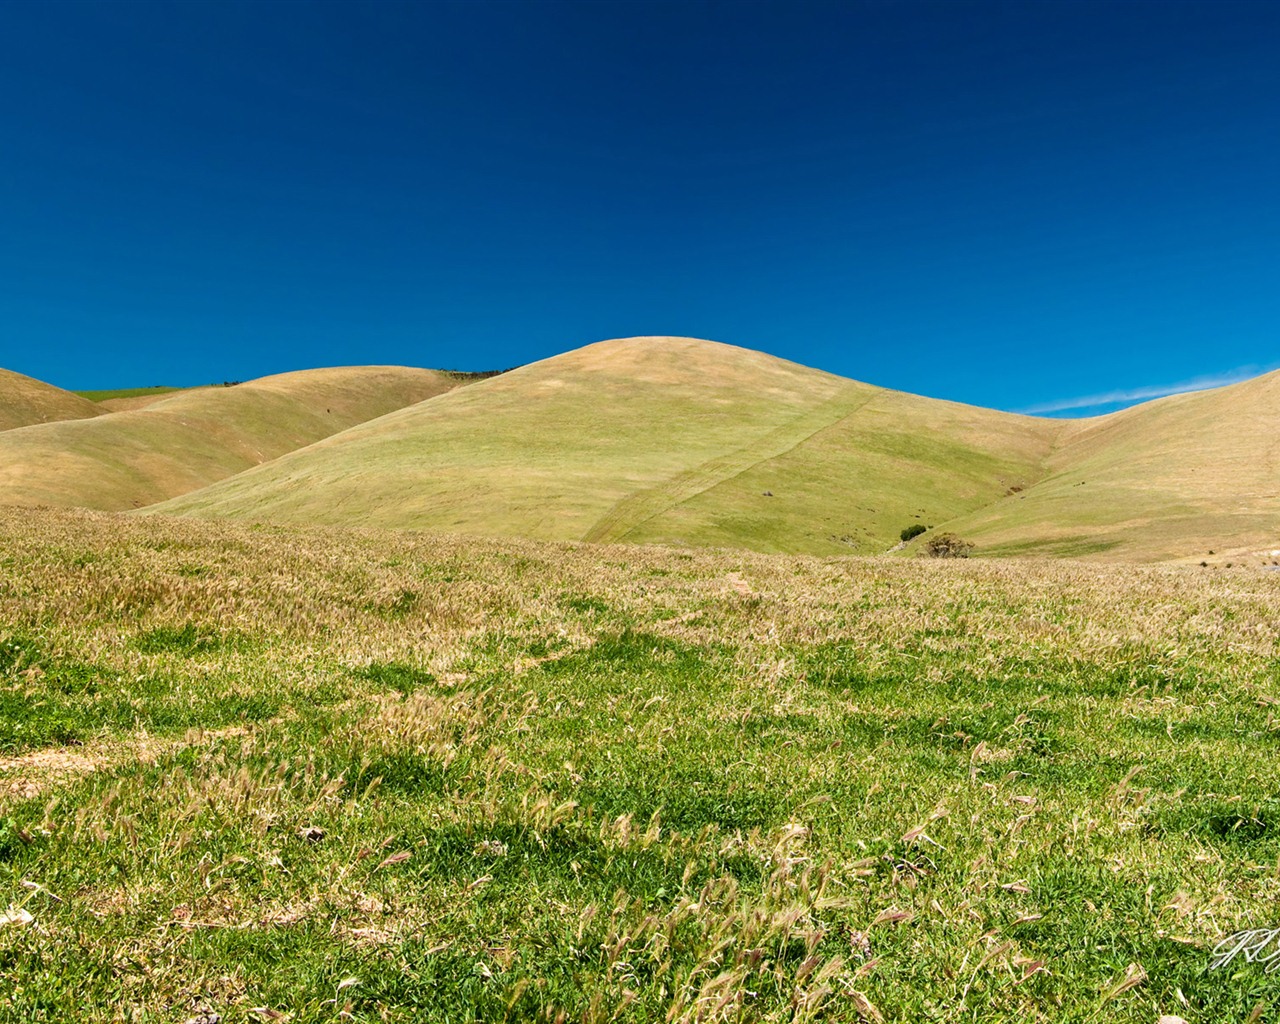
25,400
690,442
188,439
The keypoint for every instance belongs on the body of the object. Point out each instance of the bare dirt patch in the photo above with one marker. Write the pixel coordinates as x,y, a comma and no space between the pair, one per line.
28,775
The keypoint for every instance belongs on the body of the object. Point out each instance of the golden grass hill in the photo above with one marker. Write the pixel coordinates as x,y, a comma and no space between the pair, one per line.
662,440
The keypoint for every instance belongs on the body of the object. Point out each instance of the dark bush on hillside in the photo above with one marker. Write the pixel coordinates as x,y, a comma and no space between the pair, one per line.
912,531
478,374
947,545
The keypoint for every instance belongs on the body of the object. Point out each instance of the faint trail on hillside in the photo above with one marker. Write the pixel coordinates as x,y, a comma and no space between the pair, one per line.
640,507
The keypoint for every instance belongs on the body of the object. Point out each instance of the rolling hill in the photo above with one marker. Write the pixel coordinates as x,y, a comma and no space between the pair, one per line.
667,440
25,400
1192,477
122,399
128,459
678,441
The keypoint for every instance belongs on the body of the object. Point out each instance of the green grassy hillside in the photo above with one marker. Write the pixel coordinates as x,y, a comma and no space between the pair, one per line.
191,439
118,394
892,461
25,400
1176,478
654,439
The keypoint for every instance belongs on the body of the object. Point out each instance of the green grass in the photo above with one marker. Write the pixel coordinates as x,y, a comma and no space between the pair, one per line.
651,786
110,393
56,699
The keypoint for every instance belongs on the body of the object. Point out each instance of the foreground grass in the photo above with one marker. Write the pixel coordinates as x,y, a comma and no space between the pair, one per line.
307,776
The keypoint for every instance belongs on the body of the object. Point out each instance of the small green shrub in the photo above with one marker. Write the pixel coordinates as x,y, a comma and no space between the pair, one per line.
948,545
912,531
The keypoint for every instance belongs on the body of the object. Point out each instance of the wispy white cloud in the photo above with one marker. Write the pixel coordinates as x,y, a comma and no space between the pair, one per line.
1128,396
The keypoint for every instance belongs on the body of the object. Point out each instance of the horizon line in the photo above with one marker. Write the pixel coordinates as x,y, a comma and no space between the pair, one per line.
1148,392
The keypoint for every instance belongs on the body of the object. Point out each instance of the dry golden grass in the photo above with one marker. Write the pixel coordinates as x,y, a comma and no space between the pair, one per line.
25,400
189,439
1176,478
132,403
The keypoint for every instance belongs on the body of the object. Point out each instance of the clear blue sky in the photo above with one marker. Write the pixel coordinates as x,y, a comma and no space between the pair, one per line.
1013,205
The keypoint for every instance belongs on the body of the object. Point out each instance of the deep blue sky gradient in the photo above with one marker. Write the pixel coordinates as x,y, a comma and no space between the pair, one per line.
1004,204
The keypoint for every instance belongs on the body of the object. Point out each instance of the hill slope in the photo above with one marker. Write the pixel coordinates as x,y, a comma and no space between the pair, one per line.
193,438
1169,479
654,440
25,400
123,399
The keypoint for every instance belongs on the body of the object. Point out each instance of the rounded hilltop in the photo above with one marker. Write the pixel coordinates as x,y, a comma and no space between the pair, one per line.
673,359
651,439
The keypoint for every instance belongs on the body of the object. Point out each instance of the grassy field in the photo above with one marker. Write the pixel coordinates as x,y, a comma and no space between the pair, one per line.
255,774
